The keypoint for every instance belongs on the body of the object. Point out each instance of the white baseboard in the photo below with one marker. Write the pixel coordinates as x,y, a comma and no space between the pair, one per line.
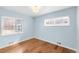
40,39
16,42
57,44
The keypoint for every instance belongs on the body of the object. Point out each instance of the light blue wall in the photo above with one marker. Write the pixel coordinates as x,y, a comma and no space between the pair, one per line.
35,27
66,34
78,28
27,27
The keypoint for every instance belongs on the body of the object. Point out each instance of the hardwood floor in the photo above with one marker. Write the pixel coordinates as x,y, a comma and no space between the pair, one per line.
35,46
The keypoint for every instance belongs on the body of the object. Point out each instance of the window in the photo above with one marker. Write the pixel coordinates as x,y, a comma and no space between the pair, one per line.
60,21
11,25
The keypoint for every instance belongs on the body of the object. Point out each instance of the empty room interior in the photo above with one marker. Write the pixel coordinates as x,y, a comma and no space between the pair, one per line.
39,29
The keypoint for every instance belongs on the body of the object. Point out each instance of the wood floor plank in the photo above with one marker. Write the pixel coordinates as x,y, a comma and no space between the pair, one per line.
35,46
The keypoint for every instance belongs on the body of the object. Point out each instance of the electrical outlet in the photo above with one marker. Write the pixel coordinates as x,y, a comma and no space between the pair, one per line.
59,43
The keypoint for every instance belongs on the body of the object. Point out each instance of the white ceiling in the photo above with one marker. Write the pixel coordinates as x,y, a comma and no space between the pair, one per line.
27,9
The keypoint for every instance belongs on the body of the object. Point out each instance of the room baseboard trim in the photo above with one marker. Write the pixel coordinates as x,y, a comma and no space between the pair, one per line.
22,40
57,44
40,39
16,42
